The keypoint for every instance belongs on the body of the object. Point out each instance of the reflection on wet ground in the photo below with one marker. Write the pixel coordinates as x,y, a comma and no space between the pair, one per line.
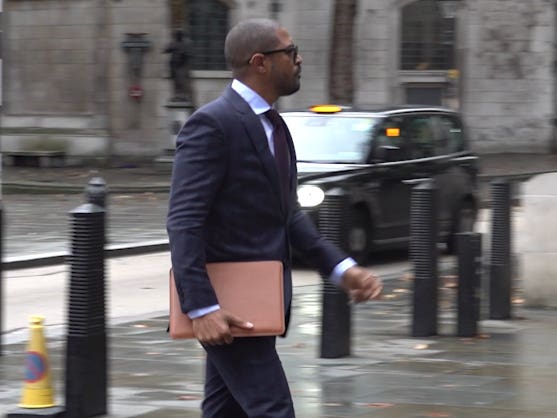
509,370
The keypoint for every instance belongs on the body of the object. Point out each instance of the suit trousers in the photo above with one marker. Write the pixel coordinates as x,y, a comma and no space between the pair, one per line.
245,379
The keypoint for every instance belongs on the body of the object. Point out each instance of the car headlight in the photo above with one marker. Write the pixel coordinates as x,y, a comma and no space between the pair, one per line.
310,196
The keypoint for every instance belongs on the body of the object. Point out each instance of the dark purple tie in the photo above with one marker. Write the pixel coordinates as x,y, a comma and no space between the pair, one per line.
282,156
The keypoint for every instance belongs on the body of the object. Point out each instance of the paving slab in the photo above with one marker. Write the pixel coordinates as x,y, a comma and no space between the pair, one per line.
508,371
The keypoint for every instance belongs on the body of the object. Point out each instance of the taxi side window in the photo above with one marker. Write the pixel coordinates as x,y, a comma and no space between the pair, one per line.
450,130
390,134
421,137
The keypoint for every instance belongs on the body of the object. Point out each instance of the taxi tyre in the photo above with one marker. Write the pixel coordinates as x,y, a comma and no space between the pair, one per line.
463,221
358,235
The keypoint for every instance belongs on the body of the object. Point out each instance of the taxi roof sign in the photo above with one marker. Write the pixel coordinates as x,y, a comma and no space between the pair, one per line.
326,108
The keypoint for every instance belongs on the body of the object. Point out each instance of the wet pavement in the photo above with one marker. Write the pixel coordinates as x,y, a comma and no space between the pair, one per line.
508,371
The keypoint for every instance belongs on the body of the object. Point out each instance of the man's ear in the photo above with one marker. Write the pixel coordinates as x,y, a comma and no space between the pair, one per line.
258,62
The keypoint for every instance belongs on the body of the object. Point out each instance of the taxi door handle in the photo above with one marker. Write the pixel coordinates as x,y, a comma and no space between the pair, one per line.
416,181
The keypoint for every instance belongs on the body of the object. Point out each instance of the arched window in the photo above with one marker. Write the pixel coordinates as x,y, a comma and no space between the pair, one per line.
208,25
428,35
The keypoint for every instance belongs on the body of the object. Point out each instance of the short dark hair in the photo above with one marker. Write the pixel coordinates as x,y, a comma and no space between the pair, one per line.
247,38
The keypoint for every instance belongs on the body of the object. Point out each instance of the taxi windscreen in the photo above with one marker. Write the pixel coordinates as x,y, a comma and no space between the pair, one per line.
330,138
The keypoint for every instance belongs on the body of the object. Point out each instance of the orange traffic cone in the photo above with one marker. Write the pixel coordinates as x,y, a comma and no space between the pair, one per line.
38,396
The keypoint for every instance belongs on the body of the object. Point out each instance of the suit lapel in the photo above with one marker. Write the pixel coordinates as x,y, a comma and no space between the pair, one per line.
255,132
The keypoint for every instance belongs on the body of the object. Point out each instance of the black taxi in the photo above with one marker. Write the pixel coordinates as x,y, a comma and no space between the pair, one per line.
374,158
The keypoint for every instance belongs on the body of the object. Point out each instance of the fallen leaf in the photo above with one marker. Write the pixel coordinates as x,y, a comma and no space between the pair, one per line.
299,345
188,397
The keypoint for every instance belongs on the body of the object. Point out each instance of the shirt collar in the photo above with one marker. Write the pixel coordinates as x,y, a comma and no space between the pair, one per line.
254,100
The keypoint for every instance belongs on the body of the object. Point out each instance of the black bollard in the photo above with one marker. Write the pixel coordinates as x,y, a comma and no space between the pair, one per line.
336,313
423,252
469,249
500,264
86,343
96,192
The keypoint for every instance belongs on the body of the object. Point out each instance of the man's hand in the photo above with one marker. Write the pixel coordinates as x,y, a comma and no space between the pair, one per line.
361,284
214,328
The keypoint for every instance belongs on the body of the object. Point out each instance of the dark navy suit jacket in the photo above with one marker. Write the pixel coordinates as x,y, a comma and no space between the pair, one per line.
226,205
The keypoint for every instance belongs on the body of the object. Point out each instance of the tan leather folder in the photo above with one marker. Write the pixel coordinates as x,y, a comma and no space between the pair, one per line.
251,290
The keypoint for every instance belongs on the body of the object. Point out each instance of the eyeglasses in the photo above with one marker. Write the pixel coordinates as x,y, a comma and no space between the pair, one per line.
289,50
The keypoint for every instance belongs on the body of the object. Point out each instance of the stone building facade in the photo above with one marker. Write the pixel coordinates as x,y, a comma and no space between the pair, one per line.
1,36
509,95
70,82
67,76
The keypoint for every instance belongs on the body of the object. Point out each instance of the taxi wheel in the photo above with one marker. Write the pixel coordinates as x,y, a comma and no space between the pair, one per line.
464,221
358,237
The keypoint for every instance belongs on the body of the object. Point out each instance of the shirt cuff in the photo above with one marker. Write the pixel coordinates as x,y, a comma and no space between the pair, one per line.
197,313
340,268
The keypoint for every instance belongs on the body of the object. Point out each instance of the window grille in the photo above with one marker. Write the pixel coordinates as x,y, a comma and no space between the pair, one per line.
208,25
428,36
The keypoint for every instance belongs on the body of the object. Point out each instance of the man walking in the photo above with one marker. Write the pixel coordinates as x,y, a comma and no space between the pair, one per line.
233,198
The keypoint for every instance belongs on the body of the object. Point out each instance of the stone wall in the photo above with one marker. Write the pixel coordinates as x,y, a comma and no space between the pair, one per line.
536,240
139,126
64,67
1,37
66,70
376,53
308,21
509,73
49,56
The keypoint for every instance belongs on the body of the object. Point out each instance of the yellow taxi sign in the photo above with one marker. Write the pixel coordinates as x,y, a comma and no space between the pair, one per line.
393,132
326,108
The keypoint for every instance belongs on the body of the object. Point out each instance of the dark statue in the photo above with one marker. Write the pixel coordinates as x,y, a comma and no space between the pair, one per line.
179,50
